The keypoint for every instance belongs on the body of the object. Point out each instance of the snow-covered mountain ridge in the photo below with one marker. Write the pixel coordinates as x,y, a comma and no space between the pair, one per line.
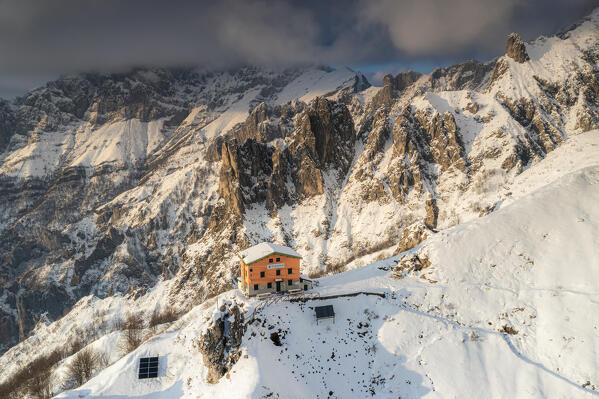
501,311
139,189
80,146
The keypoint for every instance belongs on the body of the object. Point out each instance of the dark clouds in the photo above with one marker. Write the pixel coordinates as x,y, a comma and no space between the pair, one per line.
40,38
64,34
427,27
422,27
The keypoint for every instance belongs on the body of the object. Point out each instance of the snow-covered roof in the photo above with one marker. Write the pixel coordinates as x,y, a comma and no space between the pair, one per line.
262,250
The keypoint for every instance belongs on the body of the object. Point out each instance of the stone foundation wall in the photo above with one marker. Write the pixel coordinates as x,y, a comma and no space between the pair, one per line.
262,289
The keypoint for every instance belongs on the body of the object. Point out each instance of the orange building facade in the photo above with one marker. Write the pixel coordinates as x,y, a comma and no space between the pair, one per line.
268,270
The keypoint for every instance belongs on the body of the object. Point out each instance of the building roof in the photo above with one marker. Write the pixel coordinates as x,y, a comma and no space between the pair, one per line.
262,250
324,312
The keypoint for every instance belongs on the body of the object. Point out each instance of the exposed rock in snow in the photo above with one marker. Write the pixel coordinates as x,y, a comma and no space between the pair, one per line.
432,213
411,236
219,344
515,48
411,263
7,122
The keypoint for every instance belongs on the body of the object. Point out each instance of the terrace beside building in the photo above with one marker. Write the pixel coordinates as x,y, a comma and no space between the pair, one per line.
268,267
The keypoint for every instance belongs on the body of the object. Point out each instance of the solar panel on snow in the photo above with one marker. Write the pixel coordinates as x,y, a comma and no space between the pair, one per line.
148,367
324,312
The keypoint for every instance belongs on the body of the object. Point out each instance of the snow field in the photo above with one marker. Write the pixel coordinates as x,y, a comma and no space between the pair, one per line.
502,312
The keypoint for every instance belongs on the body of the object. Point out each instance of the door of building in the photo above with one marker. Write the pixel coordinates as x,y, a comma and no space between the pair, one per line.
278,286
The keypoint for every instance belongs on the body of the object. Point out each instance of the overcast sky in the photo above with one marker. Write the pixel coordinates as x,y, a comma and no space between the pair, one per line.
40,40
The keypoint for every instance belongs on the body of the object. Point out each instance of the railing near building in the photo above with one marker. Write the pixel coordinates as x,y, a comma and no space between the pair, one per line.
272,298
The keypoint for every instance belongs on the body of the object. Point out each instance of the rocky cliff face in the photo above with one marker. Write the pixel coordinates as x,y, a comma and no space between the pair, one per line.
219,344
516,49
112,184
7,123
255,171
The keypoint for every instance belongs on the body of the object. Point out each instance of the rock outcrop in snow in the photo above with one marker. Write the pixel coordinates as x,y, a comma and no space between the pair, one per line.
220,342
516,49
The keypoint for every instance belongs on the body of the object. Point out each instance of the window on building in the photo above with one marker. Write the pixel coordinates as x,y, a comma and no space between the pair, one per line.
278,272
269,285
251,270
255,287
270,260
289,271
278,259
261,274
289,282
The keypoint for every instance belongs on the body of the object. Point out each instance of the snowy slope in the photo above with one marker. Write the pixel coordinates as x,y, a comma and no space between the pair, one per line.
316,83
425,339
122,142
531,266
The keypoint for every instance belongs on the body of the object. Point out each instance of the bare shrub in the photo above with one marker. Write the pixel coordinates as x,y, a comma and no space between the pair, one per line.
39,386
317,274
130,340
132,336
103,327
381,256
83,366
75,347
118,324
476,207
33,379
488,180
167,315
12,388
133,322
99,313
358,250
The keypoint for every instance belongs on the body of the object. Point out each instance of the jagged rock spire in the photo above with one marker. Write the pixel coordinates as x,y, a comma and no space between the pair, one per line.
516,49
